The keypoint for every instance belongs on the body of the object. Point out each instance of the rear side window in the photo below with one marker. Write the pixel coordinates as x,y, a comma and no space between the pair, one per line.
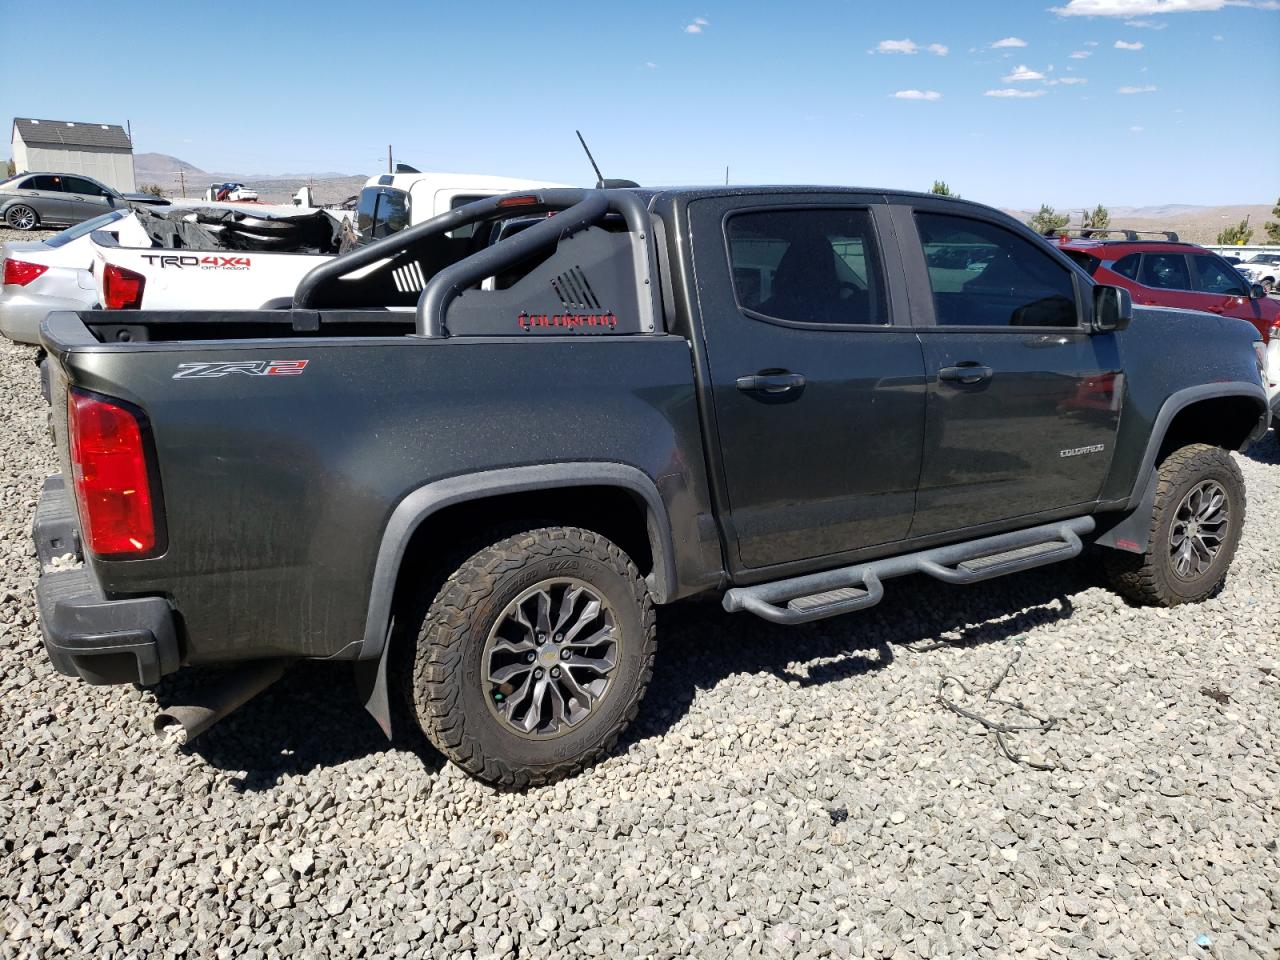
807,266
1165,271
983,275
1086,260
1128,266
1214,275
461,201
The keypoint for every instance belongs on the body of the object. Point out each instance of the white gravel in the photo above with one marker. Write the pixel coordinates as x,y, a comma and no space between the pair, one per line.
785,792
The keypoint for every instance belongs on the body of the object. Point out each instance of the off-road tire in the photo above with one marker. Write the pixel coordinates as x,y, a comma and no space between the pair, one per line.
1149,578
446,691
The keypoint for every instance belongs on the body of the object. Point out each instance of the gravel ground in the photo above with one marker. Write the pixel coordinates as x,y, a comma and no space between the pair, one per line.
794,793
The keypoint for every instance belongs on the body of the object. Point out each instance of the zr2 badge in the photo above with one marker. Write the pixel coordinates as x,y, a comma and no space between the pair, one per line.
250,368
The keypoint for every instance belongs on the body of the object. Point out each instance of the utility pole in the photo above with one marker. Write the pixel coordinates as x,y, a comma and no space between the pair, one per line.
389,170
726,175
182,179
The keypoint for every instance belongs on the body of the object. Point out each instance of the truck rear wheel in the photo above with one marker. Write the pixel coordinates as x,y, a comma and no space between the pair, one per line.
533,656
1195,528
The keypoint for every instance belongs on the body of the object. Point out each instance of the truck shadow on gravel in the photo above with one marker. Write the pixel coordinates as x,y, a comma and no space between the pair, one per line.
312,717
1266,450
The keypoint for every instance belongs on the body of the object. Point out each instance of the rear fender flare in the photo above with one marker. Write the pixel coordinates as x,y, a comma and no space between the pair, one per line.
419,505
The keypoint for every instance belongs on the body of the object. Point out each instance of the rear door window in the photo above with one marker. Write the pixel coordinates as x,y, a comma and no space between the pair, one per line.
1165,271
807,266
1214,275
983,275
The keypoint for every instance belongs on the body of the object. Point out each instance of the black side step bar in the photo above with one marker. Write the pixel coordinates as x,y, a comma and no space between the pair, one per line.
816,596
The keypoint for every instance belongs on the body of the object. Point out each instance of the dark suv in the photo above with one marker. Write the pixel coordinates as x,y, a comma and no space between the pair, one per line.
1169,273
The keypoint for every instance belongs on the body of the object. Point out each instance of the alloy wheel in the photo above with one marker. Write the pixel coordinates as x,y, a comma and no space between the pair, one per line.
1200,527
21,218
550,658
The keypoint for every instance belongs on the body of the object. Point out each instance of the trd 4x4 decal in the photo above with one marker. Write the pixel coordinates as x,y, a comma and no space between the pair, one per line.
181,261
251,368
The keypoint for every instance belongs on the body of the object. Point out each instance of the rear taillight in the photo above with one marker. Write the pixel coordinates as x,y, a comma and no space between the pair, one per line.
113,488
20,273
121,288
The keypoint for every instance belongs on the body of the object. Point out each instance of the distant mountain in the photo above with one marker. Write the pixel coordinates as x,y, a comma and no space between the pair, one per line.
171,172
157,166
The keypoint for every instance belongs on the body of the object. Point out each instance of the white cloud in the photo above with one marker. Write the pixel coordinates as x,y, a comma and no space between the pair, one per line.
1126,45
1136,129
1071,81
897,46
1008,42
938,49
1142,8
1091,43
918,95
1010,92
697,25
1149,88
1219,37
1081,55
1022,74
1146,24
651,65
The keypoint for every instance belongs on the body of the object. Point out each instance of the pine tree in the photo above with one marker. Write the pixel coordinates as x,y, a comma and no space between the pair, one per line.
941,189
1097,220
1273,228
1241,233
1048,221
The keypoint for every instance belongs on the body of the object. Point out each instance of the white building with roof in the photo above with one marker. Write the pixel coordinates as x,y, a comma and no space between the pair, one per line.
99,150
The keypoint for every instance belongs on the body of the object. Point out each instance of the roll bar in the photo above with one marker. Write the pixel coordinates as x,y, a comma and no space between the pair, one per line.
575,209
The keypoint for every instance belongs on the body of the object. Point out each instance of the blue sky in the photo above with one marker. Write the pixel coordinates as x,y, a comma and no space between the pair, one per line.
1070,102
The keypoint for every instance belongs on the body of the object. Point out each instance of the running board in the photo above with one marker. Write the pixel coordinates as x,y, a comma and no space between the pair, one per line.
817,596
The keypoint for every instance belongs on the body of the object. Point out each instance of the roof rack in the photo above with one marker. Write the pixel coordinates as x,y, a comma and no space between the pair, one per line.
1089,233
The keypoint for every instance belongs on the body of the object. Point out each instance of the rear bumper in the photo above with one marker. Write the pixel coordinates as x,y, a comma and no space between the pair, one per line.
22,313
86,635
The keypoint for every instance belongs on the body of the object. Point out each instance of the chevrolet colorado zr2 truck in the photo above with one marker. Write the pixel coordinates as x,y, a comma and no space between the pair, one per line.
786,396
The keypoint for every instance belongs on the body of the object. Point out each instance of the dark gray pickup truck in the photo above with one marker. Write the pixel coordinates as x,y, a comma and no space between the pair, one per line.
478,490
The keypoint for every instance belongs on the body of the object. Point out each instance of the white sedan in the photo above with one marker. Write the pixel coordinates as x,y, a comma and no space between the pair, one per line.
53,274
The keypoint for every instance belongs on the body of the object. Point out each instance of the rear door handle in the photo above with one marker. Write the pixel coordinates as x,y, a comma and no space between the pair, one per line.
966,373
771,383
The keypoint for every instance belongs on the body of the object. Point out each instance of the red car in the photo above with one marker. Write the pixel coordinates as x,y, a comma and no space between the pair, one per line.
1169,273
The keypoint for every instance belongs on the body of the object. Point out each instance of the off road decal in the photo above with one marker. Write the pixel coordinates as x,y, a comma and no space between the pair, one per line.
182,262
251,368
528,321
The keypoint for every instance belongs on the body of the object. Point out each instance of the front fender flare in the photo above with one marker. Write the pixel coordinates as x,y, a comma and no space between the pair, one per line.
1132,531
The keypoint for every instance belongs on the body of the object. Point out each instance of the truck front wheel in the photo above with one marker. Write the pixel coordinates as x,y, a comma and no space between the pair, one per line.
533,656
1195,528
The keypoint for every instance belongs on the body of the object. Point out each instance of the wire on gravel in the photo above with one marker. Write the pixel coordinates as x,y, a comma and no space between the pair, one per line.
1001,728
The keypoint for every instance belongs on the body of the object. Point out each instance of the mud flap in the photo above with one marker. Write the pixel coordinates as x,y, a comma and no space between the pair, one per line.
1132,531
371,685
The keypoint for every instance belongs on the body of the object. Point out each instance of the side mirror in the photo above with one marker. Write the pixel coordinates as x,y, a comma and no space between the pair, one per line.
1257,292
1112,308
